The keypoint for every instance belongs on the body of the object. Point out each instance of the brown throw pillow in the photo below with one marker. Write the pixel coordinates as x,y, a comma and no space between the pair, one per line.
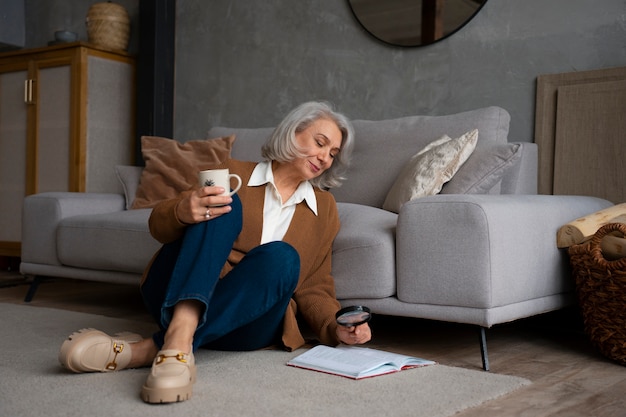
172,166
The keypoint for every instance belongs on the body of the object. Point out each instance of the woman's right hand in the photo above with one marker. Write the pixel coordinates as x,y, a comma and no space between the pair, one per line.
203,204
354,335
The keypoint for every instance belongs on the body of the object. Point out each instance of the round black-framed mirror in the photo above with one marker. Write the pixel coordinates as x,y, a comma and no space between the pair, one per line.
414,22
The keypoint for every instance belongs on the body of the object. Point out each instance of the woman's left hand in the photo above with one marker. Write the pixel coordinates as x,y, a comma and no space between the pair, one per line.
354,335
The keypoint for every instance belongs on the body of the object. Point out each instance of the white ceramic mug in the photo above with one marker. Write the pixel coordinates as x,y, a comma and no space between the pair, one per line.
219,178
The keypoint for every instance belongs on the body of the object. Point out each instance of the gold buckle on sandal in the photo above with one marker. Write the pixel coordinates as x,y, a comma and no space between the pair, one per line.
117,349
180,357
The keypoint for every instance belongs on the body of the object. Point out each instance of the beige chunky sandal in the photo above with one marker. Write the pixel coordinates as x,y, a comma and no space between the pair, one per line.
171,378
90,350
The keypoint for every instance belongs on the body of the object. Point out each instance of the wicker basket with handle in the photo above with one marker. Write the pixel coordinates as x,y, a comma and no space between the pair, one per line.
108,26
601,291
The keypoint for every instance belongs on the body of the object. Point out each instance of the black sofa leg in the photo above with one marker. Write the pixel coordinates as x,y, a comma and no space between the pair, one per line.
483,347
33,288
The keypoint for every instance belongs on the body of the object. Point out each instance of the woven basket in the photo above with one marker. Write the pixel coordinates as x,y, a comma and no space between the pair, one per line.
601,290
108,26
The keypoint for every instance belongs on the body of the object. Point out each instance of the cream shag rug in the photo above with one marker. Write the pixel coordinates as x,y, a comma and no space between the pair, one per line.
32,383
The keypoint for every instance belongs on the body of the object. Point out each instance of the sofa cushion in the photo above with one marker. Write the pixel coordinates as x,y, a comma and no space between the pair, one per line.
118,241
364,260
389,144
484,169
377,142
172,166
428,170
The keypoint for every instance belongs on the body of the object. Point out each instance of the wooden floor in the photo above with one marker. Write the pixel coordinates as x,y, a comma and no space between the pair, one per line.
569,378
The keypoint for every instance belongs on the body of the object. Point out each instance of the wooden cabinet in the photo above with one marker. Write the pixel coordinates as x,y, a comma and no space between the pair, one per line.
66,120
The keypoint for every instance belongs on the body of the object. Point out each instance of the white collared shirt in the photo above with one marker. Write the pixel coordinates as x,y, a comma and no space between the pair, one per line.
276,214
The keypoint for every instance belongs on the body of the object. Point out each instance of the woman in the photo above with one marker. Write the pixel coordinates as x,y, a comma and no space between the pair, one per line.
234,271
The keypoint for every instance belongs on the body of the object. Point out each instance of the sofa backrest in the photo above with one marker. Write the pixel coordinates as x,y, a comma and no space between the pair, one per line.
383,147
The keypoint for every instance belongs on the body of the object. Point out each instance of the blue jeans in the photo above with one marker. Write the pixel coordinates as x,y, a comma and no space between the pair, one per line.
242,311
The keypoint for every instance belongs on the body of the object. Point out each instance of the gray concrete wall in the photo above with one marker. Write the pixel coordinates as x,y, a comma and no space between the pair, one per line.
246,63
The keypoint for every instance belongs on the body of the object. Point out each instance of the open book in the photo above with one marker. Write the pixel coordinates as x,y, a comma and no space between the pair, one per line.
355,362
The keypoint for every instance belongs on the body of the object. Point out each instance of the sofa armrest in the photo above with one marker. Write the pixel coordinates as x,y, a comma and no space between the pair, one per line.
42,213
485,251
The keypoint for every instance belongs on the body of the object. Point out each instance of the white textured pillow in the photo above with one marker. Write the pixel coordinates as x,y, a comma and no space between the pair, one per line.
428,170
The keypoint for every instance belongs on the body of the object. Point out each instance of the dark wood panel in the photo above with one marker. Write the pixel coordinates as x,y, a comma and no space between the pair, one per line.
548,102
590,140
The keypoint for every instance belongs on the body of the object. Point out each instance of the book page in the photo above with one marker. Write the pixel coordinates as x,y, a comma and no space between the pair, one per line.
340,358
355,362
390,357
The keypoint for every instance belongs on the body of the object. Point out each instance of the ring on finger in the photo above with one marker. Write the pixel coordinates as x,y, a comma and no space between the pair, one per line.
207,215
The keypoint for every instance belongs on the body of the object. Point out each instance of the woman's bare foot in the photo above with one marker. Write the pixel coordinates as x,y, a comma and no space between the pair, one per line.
180,332
143,353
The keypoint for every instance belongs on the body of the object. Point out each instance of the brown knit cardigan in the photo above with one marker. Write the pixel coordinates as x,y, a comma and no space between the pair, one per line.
312,237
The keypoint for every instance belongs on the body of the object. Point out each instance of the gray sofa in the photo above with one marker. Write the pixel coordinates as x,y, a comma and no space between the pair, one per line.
481,252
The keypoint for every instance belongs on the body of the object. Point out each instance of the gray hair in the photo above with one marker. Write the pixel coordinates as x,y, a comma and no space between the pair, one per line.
283,147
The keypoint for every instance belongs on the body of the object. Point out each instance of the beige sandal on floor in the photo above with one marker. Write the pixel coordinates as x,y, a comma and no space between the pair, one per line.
90,350
171,378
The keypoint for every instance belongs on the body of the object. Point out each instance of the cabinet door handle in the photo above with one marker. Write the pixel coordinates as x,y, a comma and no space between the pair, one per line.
28,91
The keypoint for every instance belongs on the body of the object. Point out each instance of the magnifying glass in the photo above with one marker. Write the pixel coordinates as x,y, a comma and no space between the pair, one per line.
353,316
